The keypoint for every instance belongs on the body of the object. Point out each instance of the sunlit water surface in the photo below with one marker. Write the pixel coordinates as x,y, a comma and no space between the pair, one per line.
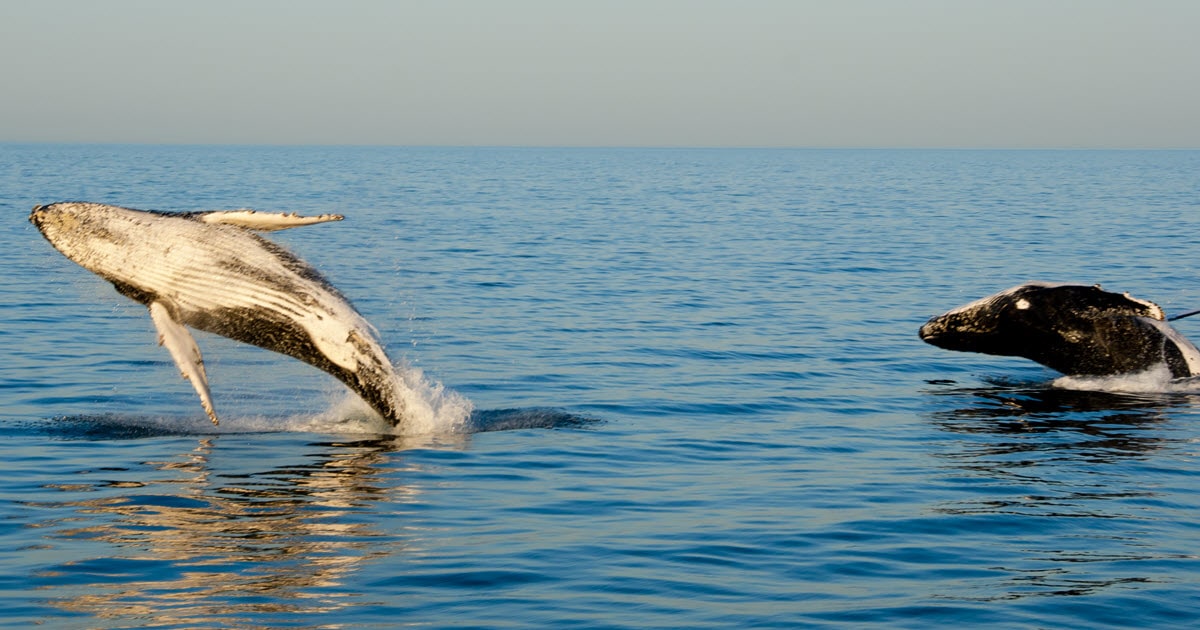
700,400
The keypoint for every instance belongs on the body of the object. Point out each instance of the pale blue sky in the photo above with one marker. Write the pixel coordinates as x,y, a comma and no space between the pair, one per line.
929,73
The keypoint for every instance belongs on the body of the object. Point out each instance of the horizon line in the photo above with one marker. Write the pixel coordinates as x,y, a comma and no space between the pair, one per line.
600,146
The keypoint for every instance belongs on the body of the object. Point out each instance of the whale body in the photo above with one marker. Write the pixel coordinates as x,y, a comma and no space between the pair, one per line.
1074,329
211,272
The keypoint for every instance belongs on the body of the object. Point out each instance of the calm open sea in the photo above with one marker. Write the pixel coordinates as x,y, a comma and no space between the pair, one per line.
700,399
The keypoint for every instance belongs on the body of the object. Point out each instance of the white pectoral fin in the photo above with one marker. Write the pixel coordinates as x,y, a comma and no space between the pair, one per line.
263,221
173,336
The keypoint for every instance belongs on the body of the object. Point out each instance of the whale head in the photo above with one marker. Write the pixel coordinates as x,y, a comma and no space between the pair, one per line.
1075,329
59,222
95,236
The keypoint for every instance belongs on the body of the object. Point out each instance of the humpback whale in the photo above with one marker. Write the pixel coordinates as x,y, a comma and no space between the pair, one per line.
212,272
1078,330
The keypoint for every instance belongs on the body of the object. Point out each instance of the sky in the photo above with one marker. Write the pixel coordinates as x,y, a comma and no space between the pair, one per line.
769,73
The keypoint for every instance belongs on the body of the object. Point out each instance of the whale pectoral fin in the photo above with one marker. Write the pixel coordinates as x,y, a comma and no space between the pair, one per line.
179,342
263,221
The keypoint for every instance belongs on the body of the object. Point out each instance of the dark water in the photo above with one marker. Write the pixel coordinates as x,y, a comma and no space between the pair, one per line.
700,400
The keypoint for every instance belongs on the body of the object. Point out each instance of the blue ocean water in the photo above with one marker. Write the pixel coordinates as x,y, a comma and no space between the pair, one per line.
700,400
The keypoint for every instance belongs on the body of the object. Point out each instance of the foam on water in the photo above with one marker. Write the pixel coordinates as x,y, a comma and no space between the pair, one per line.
435,412
430,408
1157,380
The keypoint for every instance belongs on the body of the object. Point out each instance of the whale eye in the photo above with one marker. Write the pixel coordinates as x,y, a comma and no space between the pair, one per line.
1023,304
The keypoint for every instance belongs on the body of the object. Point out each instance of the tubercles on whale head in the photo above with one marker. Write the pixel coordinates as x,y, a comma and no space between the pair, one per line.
60,223
62,214
52,221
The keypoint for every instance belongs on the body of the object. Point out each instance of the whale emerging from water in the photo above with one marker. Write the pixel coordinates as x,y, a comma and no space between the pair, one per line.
1078,330
210,271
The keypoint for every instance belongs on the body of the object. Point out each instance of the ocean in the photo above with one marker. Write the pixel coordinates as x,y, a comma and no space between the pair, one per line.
698,397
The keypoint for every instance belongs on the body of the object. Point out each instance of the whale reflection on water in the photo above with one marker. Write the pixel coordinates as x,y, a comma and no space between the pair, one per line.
228,530
1029,459
201,547
1100,425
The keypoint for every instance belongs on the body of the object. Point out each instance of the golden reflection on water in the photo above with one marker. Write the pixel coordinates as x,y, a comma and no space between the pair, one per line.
216,547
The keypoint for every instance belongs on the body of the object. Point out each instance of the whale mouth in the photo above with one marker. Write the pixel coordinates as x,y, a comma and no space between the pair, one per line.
37,216
941,341
944,335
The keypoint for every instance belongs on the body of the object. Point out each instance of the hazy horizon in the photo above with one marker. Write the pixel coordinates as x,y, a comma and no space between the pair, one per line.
653,73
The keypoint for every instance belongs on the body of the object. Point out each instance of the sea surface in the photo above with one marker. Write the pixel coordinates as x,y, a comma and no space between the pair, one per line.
698,397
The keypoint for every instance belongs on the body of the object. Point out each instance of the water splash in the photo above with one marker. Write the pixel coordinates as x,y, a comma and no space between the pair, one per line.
430,407
1156,380
434,411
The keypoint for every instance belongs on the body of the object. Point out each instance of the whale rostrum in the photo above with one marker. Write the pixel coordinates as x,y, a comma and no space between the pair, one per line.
210,271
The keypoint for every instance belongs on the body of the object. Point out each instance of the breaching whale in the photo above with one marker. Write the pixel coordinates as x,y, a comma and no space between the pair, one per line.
1078,330
210,271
